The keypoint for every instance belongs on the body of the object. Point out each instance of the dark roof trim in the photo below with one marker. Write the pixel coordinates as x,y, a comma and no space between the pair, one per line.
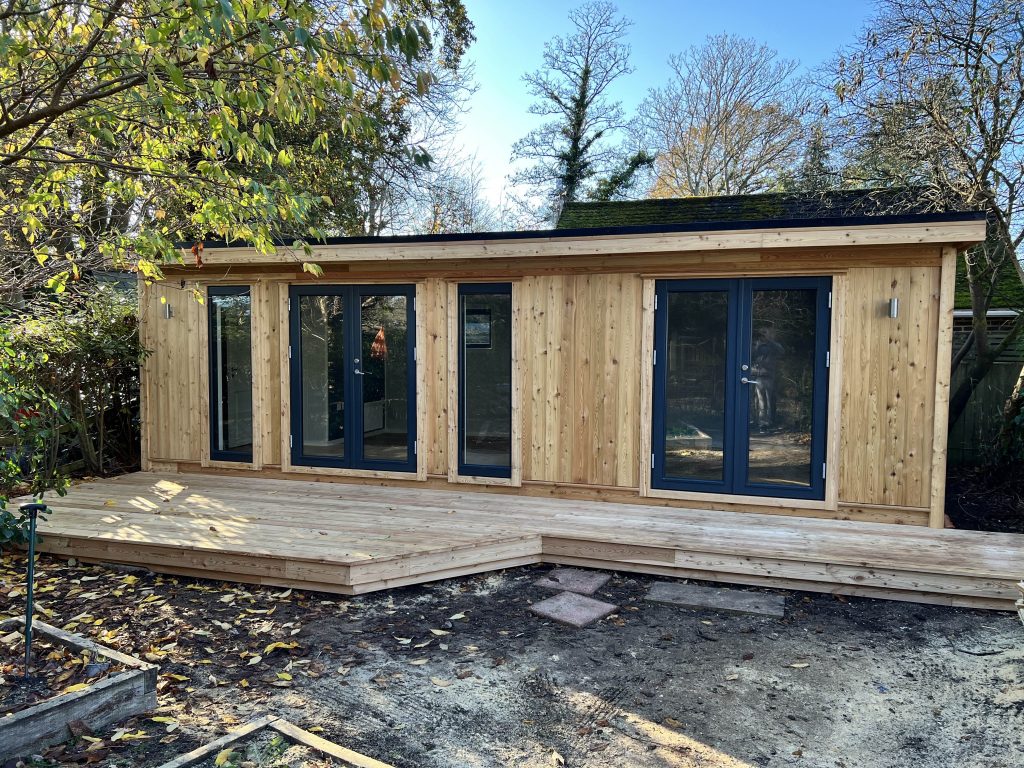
647,229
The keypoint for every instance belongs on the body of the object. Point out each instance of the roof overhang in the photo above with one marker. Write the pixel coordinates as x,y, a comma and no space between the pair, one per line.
960,230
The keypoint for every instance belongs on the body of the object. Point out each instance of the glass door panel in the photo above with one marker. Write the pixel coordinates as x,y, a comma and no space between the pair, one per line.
353,377
780,418
740,380
384,370
321,356
697,365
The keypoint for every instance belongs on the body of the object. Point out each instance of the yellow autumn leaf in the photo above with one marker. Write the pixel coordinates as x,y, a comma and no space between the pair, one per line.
283,676
223,756
275,646
75,687
162,719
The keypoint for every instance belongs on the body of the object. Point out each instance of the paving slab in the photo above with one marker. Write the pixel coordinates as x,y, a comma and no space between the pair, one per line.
574,580
573,609
717,599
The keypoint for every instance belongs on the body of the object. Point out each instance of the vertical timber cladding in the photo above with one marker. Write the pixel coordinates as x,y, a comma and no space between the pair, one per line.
581,382
889,387
173,372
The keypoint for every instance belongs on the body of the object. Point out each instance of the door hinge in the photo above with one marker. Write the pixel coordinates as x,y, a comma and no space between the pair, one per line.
830,299
289,351
415,447
291,441
828,358
824,468
655,357
652,461
655,301
289,303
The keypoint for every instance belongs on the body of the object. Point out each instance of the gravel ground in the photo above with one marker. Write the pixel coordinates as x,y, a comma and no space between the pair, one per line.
460,673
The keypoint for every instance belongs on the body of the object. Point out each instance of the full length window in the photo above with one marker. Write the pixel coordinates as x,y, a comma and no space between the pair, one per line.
230,311
485,380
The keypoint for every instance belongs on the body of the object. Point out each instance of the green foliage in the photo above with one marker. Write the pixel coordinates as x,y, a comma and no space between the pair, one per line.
30,424
114,111
89,344
69,389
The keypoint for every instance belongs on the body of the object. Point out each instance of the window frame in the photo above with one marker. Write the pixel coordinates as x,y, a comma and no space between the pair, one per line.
235,457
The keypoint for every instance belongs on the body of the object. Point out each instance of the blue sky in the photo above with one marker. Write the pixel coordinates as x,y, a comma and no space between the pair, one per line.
511,35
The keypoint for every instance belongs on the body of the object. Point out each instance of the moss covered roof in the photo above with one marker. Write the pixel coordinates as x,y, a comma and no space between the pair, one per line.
775,207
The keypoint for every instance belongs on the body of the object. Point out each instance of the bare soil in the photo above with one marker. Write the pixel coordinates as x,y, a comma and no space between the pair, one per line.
460,673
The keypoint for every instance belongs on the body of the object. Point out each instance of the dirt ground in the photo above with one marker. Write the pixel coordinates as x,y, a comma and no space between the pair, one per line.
460,673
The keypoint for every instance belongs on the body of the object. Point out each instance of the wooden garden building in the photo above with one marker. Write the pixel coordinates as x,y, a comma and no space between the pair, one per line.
761,381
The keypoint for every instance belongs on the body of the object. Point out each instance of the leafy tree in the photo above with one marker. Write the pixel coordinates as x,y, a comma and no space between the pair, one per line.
932,96
815,172
110,113
729,122
574,147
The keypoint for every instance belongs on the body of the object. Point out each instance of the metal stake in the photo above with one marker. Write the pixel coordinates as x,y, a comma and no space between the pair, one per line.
32,510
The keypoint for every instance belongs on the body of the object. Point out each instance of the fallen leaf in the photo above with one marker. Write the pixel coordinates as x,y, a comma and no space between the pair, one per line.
223,756
439,632
456,617
255,660
672,722
732,677
440,682
75,687
283,676
800,665
279,646
418,662
557,759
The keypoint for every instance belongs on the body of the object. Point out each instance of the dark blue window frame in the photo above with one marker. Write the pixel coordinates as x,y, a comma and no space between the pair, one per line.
212,292
352,419
737,401
477,470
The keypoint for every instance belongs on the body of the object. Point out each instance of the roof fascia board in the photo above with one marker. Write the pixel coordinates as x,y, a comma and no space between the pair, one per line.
961,233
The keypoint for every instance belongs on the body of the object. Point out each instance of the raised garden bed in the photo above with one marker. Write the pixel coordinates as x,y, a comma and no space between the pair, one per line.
272,742
75,681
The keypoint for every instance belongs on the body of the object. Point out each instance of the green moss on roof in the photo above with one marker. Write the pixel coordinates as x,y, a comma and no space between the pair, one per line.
730,208
777,206
1009,292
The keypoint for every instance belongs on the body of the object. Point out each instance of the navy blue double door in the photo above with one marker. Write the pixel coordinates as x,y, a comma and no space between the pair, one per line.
353,376
740,386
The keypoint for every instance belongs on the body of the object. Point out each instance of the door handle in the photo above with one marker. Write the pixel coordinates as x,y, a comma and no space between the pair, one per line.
745,380
357,372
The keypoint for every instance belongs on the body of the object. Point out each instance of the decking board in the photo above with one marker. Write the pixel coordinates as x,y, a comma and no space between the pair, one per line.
357,538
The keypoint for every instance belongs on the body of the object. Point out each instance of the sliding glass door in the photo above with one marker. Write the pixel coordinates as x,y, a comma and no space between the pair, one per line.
353,401
740,382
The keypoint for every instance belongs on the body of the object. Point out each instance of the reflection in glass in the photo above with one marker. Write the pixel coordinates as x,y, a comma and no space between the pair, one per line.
231,373
695,385
321,361
384,369
486,382
782,392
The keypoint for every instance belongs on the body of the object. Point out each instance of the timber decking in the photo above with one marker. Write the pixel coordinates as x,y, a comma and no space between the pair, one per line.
352,539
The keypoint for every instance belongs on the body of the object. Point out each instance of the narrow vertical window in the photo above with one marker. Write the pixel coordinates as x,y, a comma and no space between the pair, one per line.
231,426
485,380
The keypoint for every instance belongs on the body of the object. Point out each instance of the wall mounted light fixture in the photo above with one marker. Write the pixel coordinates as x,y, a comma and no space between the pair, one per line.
894,307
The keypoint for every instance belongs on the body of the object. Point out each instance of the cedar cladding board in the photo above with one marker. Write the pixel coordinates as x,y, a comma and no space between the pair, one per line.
584,308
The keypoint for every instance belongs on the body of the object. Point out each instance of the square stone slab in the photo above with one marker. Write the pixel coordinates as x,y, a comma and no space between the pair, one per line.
717,599
572,609
574,580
